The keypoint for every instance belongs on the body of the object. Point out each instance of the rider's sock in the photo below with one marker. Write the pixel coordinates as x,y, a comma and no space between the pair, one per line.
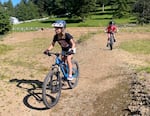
70,78
70,75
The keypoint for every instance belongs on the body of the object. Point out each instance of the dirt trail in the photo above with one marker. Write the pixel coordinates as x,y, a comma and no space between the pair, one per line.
101,70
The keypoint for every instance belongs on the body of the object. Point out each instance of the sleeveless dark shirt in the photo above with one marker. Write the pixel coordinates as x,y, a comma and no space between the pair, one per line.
64,43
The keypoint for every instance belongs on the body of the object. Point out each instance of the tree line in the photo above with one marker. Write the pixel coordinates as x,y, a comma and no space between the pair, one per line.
78,9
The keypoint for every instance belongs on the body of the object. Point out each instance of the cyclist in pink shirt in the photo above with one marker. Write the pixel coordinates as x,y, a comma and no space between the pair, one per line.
111,28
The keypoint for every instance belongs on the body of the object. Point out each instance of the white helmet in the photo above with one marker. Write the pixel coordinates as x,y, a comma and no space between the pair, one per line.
59,23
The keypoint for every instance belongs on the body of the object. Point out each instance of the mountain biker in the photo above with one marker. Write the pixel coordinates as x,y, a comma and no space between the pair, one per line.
111,28
66,42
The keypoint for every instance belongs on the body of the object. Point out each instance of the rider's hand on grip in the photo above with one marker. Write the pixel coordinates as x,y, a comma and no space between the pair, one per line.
46,52
72,50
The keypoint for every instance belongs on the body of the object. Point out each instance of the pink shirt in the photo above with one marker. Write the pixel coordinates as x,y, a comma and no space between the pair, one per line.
112,28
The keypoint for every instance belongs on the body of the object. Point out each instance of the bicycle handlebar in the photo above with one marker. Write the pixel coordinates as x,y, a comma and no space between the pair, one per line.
57,54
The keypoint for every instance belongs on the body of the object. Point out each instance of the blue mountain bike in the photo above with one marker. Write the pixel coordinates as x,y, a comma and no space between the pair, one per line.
51,89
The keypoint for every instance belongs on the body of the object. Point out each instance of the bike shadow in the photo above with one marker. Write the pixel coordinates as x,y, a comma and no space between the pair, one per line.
34,90
65,85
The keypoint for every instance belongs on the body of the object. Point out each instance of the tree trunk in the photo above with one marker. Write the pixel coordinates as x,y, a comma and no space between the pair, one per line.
103,8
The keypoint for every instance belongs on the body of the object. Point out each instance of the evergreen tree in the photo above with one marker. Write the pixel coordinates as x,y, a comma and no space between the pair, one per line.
9,7
32,10
26,10
5,25
142,10
42,6
122,8
80,8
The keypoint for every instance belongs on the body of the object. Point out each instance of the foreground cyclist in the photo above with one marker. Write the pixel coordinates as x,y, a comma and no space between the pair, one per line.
66,42
111,28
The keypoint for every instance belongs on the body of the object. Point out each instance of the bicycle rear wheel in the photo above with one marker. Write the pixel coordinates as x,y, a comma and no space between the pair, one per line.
75,73
51,89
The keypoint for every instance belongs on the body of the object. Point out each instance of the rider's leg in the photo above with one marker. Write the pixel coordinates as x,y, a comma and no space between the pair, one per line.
108,35
70,66
114,38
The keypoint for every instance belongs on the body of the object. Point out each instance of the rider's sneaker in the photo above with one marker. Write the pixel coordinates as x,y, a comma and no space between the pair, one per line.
114,40
107,45
70,78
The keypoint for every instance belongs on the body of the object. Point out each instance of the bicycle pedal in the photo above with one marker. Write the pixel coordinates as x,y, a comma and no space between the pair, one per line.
64,79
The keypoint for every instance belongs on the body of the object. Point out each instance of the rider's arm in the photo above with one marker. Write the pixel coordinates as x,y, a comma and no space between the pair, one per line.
51,46
115,29
106,30
73,45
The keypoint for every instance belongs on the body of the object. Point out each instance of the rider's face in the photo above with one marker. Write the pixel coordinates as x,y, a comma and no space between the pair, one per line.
58,30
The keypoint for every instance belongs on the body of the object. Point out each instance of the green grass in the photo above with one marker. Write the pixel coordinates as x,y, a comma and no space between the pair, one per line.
146,69
95,19
4,48
135,29
85,37
2,77
136,46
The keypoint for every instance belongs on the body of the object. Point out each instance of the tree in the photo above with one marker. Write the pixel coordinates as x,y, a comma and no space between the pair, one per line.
122,8
26,10
5,25
32,10
80,8
42,6
103,3
9,7
142,10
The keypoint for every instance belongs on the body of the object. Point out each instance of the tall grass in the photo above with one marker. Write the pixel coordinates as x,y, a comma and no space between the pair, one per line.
137,46
85,37
146,69
4,48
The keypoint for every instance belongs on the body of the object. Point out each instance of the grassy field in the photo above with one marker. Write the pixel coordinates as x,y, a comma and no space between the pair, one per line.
138,47
4,48
95,19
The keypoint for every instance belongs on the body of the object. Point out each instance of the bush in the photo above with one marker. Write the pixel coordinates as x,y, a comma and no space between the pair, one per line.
5,25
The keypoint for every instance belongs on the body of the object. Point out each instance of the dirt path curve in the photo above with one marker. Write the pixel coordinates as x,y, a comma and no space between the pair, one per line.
101,70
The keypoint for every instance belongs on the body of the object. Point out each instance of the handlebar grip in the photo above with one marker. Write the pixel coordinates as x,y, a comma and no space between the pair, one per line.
46,52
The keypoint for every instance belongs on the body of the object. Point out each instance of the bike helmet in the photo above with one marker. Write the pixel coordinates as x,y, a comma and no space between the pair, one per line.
111,23
59,23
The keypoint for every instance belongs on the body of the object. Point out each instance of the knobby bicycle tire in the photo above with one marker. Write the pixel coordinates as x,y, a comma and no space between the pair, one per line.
72,84
111,43
51,89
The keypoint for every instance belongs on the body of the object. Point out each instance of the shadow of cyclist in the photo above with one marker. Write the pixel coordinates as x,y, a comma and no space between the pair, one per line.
33,87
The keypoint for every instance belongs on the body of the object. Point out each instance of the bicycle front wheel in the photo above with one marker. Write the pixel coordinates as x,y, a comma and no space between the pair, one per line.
111,43
75,73
51,89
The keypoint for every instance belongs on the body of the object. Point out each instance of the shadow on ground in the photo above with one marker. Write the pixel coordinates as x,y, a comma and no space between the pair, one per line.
31,86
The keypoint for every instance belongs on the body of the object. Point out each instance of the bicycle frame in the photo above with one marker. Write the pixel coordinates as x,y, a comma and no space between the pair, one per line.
62,65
